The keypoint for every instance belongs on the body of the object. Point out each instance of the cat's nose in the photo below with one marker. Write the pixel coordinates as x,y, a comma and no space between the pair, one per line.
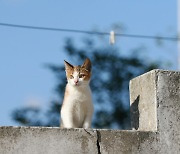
76,81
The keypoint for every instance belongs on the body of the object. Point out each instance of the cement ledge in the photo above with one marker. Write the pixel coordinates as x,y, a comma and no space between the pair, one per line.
28,140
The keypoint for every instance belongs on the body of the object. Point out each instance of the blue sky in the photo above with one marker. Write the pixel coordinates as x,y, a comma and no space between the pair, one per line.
24,80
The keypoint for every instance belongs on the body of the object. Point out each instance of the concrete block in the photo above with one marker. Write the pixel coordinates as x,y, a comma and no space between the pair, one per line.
40,140
44,140
168,110
127,142
143,103
155,99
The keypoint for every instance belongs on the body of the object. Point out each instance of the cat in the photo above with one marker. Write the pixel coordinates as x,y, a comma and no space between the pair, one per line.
77,107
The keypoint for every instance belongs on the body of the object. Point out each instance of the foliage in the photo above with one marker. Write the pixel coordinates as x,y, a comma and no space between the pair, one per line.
109,84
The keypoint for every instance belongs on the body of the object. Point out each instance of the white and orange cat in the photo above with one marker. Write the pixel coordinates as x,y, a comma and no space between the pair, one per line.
77,107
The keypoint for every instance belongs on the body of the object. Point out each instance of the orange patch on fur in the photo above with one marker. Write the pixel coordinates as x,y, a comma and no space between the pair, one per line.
84,70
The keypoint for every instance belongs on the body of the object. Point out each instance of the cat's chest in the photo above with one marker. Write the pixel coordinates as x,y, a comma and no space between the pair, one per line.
80,96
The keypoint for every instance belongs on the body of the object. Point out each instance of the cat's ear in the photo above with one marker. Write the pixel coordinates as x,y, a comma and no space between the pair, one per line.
68,66
87,65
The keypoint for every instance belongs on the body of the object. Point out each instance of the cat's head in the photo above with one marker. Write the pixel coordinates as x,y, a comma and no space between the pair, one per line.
78,75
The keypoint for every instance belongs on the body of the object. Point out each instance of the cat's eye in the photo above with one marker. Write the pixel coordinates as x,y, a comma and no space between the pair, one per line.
81,76
71,76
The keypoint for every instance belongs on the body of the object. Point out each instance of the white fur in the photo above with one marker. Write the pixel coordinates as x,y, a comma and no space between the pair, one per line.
77,105
76,78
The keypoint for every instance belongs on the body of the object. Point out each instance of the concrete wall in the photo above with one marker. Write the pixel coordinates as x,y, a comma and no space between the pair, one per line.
158,105
155,118
44,140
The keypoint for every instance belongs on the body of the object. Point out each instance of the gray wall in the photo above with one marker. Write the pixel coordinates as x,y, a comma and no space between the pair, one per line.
155,119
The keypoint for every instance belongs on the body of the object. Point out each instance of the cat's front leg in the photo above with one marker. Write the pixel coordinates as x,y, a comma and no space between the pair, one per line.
67,117
67,122
87,122
86,125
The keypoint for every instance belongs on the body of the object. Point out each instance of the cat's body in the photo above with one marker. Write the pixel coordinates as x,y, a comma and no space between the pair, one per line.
77,107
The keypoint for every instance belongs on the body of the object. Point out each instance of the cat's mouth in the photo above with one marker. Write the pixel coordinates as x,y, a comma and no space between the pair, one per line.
76,84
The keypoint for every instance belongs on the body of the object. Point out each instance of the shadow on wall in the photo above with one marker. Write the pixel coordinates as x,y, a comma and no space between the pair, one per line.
135,113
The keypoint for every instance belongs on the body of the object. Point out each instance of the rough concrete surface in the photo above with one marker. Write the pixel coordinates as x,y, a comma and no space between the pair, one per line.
155,117
158,107
127,142
168,110
143,102
44,140
40,140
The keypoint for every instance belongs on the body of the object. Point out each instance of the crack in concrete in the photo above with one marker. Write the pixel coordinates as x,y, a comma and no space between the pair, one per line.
98,141
88,132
